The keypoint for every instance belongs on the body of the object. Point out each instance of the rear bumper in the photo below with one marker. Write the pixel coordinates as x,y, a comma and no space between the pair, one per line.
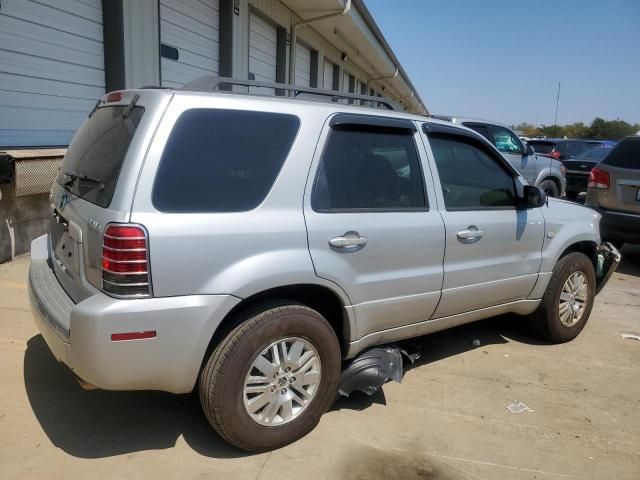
169,362
619,226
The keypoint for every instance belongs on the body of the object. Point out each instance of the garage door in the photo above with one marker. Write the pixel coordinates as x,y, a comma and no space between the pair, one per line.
303,66
346,79
327,76
190,30
51,69
348,84
263,42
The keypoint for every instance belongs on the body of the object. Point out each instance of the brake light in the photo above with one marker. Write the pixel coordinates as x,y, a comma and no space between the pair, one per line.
125,261
113,97
599,179
554,154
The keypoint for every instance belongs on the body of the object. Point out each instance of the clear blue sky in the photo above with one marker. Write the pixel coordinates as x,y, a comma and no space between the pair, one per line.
502,59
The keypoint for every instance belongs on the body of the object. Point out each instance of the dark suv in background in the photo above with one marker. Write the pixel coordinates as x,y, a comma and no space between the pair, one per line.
614,191
560,149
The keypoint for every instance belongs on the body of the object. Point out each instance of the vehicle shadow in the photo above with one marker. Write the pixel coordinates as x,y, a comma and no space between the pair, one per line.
99,423
449,343
630,264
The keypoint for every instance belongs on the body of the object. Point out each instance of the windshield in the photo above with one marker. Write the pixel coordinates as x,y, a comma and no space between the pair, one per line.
93,160
594,154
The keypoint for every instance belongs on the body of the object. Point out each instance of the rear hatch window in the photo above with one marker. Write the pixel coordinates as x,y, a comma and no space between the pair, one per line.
93,160
626,154
541,147
222,160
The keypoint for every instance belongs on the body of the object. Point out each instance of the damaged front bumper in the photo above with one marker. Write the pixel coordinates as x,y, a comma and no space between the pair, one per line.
608,259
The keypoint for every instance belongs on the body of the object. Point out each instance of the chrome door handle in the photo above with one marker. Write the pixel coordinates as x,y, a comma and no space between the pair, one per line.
468,234
348,240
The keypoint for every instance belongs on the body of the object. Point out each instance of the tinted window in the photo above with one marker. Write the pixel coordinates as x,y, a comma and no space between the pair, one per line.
366,168
594,154
96,153
222,160
505,140
470,178
626,154
577,147
541,147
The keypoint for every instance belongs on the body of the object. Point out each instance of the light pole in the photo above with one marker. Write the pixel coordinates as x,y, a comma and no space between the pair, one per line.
555,121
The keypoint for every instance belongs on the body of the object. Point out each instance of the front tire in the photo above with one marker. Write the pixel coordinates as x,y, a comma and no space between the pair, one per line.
270,380
567,301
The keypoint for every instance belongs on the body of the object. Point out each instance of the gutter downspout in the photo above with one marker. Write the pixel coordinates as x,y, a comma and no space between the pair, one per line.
294,28
384,77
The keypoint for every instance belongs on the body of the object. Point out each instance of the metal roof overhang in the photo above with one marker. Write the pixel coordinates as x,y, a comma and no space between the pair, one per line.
357,35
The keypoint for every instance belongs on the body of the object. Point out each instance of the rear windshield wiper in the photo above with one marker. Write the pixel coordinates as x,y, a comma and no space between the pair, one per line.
73,176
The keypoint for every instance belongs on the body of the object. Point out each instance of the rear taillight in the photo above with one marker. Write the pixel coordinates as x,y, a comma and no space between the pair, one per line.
554,154
125,261
599,179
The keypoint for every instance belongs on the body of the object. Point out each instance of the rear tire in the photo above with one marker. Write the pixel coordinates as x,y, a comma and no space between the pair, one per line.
564,310
550,188
234,381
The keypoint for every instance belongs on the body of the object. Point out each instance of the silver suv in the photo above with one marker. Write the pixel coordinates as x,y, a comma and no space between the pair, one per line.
539,170
252,247
614,191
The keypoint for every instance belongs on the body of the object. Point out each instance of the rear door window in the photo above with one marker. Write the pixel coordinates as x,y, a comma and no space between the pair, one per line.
93,161
222,160
369,168
625,155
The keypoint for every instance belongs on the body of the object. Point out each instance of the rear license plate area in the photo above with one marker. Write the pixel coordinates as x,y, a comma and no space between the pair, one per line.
65,249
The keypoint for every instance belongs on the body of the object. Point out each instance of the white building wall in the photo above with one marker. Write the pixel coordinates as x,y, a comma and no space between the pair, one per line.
285,17
141,43
193,29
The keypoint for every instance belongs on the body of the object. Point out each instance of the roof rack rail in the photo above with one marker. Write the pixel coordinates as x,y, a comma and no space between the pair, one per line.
212,83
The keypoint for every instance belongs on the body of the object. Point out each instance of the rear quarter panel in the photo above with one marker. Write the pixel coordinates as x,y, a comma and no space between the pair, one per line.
240,253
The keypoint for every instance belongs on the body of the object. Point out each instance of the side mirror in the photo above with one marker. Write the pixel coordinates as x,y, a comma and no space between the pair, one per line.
530,150
532,197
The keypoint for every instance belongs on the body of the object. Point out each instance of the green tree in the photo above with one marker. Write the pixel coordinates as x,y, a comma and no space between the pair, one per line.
576,130
527,129
554,131
611,129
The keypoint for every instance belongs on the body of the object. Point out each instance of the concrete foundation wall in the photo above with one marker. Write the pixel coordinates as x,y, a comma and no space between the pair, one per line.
21,220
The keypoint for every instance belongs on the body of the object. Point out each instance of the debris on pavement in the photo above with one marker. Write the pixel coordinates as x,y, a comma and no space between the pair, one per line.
630,336
518,407
370,370
475,343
